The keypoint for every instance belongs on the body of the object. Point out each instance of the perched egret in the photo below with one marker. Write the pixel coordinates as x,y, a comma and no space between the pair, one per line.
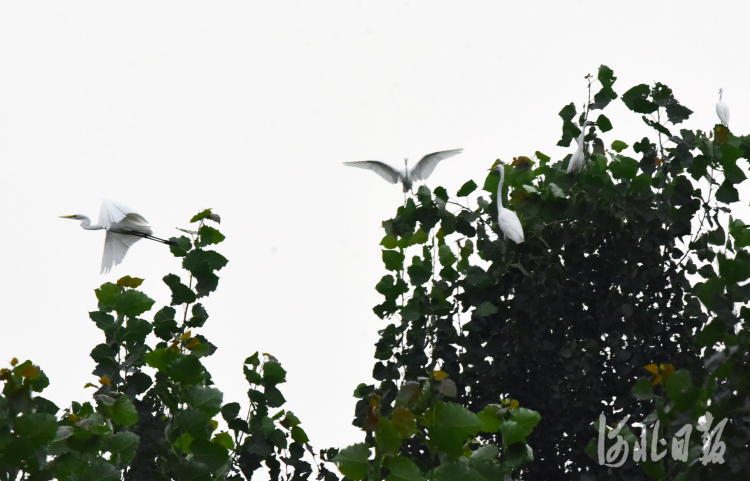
577,159
722,109
421,170
124,228
506,218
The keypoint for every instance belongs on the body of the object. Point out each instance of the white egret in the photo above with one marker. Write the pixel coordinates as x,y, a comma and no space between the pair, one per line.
578,157
421,170
506,218
124,228
722,109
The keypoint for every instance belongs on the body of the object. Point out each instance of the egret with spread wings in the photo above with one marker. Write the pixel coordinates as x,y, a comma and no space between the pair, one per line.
124,228
420,171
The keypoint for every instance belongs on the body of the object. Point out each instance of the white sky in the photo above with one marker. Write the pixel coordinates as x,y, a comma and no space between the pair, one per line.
250,108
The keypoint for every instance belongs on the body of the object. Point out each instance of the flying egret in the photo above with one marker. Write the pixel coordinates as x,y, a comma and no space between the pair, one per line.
577,159
420,171
722,109
506,218
124,228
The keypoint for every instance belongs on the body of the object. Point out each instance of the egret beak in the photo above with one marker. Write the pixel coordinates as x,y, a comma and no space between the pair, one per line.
67,216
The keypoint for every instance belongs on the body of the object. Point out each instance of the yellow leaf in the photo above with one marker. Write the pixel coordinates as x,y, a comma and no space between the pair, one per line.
186,335
88,384
439,375
667,370
656,380
105,381
128,281
13,362
652,369
30,372
5,374
194,342
213,424
513,404
73,418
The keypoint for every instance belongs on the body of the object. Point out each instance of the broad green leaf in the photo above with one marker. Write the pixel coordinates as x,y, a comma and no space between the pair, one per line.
98,469
643,389
207,235
200,216
207,399
133,303
453,425
161,358
489,419
122,447
446,255
603,123
37,428
403,420
213,455
389,241
618,146
727,193
466,189
165,325
230,411
636,99
136,330
225,439
486,309
393,260
181,294
127,281
107,293
274,398
403,469
387,437
123,411
299,435
199,316
273,373
186,369
352,461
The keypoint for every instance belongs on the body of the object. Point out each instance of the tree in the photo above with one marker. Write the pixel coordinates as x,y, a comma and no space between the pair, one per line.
566,321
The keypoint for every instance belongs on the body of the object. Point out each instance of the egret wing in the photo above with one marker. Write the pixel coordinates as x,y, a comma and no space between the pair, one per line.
722,110
113,212
115,247
388,173
510,225
426,166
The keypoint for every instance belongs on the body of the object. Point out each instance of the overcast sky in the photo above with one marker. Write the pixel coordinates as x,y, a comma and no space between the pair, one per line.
249,108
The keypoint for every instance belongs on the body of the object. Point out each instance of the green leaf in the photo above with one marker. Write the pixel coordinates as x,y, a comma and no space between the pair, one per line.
36,428
207,399
526,419
161,358
680,389
127,281
230,411
199,316
123,411
486,309
99,469
183,246
419,237
446,256
225,439
273,373
200,216
475,275
389,241
194,422
568,112
734,270
213,455
273,396
643,389
352,461
618,146
603,123
204,262
403,469
727,193
466,189
136,330
107,293
387,437
403,419
441,193
207,235
181,294
123,446
636,99
419,271
453,425
299,435
165,325
133,303
186,369
393,260
490,420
